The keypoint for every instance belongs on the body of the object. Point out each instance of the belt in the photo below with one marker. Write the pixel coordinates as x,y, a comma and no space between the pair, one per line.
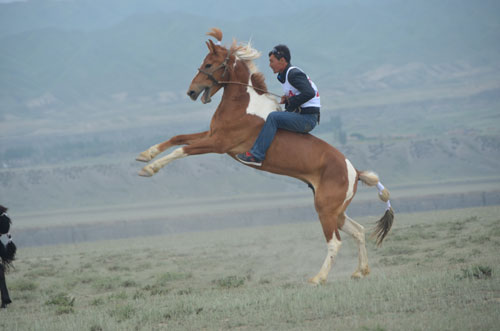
309,110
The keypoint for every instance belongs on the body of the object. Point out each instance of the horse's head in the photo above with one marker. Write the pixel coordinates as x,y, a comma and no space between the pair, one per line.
212,71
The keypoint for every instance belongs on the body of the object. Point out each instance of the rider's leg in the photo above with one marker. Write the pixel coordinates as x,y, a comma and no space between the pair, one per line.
281,120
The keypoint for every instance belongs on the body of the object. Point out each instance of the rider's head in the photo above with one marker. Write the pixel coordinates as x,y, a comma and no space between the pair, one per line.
281,51
279,58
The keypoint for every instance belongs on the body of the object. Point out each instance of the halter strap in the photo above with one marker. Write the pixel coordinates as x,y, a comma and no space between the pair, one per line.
222,65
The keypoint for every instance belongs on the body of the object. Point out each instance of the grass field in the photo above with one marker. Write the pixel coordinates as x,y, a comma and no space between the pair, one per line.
436,271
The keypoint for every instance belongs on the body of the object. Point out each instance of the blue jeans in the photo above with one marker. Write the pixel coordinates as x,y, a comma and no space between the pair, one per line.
302,123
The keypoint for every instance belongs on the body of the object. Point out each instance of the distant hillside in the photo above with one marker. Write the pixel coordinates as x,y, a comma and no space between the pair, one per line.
97,14
111,179
408,89
77,53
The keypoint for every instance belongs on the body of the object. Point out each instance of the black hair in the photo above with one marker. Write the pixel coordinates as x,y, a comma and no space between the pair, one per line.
281,51
4,220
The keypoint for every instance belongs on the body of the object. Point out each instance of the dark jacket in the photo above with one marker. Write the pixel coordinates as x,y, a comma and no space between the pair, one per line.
299,80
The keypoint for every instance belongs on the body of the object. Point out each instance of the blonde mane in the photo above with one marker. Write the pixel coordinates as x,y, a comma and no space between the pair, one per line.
246,53
243,51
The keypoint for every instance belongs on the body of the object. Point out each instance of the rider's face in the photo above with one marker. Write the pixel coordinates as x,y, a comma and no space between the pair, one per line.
277,65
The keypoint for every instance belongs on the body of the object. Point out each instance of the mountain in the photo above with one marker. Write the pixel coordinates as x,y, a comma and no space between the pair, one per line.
90,15
83,174
409,89
73,57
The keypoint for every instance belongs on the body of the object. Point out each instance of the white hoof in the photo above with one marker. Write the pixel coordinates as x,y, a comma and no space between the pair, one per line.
148,155
360,273
316,281
357,275
144,157
147,171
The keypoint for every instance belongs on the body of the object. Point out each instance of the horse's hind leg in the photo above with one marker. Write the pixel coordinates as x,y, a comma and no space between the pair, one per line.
183,139
329,224
358,232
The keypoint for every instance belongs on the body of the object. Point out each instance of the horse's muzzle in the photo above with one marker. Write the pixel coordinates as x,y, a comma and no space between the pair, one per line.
205,97
193,94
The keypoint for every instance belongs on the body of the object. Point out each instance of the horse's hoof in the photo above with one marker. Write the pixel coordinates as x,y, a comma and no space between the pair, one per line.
149,154
144,157
357,275
316,281
360,273
146,172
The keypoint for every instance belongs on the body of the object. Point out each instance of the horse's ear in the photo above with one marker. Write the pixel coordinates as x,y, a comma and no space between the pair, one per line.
211,46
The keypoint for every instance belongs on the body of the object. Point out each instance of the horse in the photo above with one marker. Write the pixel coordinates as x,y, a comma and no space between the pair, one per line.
234,127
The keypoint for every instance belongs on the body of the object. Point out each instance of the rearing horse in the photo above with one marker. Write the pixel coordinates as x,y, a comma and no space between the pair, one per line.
234,127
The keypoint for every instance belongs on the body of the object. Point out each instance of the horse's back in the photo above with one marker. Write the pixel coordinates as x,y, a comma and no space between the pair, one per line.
309,146
302,155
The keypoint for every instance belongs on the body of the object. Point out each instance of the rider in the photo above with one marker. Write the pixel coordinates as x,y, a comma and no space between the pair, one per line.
301,100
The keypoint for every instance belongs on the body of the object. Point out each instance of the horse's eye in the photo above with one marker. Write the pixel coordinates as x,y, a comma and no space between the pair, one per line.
207,66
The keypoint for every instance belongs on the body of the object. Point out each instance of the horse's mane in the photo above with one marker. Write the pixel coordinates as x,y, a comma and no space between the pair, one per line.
258,81
246,53
216,33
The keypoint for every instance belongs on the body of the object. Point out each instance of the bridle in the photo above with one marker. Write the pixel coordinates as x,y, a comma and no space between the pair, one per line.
224,65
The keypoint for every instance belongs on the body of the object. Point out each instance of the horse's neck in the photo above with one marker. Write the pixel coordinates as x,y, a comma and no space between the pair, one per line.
239,99
234,97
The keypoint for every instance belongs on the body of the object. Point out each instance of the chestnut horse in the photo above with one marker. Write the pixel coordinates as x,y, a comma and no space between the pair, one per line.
234,127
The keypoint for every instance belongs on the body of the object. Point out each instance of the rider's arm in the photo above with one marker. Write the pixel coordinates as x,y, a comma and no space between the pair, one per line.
299,80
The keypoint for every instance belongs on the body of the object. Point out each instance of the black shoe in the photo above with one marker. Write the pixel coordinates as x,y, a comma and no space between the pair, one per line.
5,303
248,158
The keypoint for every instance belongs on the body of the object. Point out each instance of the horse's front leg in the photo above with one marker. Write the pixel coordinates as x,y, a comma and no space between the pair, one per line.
183,139
201,146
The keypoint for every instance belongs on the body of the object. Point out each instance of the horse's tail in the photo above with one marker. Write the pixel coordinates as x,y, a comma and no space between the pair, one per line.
385,223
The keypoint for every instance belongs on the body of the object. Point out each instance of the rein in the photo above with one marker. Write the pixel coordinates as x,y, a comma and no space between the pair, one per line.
225,82
255,88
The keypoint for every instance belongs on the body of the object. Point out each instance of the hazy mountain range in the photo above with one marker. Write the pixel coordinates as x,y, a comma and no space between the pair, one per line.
68,53
408,89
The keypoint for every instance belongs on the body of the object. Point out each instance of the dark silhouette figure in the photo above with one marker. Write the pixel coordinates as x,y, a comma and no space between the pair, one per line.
7,254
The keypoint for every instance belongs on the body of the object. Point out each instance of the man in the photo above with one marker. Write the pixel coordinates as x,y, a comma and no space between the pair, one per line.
7,255
302,105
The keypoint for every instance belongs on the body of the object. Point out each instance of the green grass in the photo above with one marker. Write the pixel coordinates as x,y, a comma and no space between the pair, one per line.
436,271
